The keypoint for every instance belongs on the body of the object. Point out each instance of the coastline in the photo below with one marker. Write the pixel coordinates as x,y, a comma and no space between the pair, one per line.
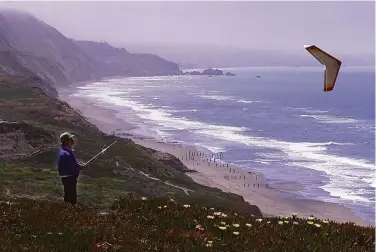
234,179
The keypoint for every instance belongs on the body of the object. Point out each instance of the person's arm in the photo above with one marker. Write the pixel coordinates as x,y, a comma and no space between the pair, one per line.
78,165
73,163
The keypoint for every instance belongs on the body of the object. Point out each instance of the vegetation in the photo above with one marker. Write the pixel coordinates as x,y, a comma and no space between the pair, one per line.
28,157
142,224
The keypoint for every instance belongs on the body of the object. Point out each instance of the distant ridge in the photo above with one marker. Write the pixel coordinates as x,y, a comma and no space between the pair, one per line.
30,47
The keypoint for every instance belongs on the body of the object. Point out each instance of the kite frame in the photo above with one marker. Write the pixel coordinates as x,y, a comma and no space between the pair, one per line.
326,89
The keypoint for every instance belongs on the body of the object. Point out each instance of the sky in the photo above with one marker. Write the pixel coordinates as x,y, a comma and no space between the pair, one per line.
346,27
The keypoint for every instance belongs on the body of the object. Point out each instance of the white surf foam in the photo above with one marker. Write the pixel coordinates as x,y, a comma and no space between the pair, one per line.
213,149
314,156
248,101
309,110
216,97
331,119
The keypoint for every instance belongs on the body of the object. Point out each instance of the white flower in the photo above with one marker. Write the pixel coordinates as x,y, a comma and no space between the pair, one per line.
199,227
144,198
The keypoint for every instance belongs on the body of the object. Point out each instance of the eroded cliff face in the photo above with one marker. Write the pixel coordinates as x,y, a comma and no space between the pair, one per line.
118,61
30,47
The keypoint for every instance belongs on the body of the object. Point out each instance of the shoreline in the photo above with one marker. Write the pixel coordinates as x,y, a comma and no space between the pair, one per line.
271,201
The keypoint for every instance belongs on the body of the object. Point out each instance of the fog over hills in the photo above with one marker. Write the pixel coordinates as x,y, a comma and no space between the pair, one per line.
37,51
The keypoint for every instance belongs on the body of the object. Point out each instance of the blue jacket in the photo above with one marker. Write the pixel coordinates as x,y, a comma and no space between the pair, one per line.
67,163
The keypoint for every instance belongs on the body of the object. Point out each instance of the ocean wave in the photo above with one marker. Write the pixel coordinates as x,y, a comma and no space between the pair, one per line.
331,119
360,125
248,101
185,110
160,116
213,149
309,110
216,97
352,194
262,161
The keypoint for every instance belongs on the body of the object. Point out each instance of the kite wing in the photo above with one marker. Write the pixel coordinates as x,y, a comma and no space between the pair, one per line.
332,66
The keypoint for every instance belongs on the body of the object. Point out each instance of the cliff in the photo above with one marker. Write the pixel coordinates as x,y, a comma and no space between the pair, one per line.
44,50
30,47
118,61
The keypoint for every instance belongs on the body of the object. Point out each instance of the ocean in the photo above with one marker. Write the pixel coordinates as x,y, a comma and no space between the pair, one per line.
282,125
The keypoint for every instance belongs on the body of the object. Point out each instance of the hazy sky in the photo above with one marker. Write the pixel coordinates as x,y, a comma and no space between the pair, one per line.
346,27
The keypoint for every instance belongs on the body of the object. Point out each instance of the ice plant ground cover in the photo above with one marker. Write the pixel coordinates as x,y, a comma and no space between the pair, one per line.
145,224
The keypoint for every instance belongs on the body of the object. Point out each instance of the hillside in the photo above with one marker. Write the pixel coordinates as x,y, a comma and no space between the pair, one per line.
44,50
118,61
29,46
33,122
149,224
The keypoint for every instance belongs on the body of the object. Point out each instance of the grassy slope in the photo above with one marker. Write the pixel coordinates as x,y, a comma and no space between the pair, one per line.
44,118
162,225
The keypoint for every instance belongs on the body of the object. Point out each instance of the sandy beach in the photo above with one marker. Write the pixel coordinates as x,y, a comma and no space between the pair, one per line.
226,177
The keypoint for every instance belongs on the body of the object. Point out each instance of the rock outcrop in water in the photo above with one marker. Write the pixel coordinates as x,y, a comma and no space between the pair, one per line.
209,72
230,74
